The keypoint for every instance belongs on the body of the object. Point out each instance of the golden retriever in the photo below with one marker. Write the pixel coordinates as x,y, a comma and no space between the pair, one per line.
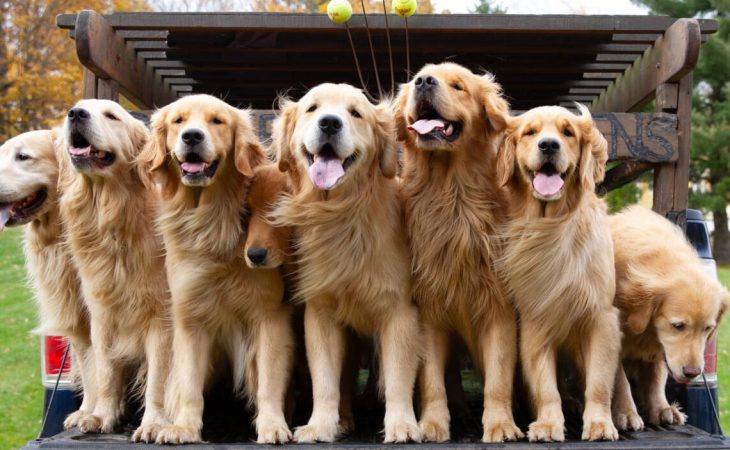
669,308
558,263
29,195
450,123
353,263
203,154
108,209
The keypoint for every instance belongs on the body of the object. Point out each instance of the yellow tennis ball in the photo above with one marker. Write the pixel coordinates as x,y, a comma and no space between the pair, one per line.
405,8
339,11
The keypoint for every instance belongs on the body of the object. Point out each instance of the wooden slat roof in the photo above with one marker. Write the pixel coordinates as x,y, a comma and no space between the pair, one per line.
250,58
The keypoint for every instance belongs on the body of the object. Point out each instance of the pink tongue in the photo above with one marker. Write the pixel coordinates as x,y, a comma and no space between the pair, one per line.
547,185
325,172
425,126
4,216
79,151
193,167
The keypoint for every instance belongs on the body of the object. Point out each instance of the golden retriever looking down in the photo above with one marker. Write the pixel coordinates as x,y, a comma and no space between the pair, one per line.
669,307
29,195
558,264
450,122
108,208
203,154
353,263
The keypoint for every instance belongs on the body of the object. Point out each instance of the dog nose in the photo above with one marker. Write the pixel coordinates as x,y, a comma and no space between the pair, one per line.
330,125
691,371
78,114
192,136
425,82
257,255
548,146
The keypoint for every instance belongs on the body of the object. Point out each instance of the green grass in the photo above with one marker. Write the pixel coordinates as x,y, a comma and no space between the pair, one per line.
723,357
21,392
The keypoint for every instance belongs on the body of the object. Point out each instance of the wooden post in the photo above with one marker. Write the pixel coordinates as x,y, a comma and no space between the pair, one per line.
107,89
90,85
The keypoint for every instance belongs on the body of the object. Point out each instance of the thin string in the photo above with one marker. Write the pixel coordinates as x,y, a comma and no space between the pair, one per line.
372,51
408,50
357,62
390,49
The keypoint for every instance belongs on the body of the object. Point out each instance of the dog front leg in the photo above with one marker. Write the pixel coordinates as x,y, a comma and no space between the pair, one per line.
325,340
83,357
654,380
435,417
625,415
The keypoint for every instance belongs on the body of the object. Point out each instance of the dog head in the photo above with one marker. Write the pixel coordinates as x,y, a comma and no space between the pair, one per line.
196,139
28,177
552,151
333,133
102,138
266,246
447,107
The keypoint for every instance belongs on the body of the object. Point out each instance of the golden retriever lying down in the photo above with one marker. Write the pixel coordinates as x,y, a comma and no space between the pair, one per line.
351,248
29,195
669,308
450,122
558,264
107,207
204,153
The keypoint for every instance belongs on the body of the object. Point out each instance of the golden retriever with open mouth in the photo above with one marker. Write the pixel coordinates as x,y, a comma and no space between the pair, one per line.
450,122
669,307
353,263
204,153
558,263
108,208
29,196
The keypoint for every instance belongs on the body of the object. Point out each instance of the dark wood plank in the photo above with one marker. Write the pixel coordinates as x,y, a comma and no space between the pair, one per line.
88,89
639,136
622,174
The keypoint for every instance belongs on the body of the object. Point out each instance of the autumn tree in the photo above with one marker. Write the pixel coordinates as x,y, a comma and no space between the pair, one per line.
320,6
40,75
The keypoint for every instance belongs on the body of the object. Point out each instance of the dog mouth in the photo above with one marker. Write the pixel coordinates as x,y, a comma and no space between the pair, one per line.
195,168
85,155
430,124
326,168
21,211
547,181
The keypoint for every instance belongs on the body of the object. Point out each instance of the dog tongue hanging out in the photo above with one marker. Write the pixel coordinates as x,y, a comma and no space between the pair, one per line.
326,172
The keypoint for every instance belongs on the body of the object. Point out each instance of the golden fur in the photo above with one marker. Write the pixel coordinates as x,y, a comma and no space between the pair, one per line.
352,255
28,166
660,286
220,305
453,208
108,213
558,267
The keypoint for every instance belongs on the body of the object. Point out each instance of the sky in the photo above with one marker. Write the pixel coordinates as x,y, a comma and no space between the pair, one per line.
612,7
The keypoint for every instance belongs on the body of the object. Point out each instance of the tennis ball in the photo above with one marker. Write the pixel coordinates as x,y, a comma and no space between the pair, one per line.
405,8
339,11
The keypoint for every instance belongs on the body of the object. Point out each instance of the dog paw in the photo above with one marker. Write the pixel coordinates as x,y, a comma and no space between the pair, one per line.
174,434
599,429
147,433
434,430
667,415
628,421
346,424
501,431
74,419
273,432
315,433
546,431
399,431
91,423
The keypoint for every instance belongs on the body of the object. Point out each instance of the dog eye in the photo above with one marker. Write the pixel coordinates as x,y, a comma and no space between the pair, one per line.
178,120
355,113
457,86
217,121
567,132
679,326
110,116
312,108
530,132
709,328
22,157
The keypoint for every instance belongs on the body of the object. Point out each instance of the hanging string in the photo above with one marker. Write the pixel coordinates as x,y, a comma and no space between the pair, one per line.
390,49
408,50
357,62
372,51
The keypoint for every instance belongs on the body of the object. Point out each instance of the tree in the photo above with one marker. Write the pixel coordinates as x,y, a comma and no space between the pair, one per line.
710,168
320,6
40,75
199,5
487,7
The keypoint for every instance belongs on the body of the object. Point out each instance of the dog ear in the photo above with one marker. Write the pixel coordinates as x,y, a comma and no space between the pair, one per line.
154,154
724,303
643,293
399,108
387,147
247,153
594,151
140,136
506,154
283,128
495,106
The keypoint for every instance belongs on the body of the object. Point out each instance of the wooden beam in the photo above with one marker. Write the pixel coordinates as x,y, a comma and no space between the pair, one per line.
622,174
105,54
673,55
639,136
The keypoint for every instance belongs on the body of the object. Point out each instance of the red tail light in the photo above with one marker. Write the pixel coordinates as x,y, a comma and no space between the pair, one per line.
52,351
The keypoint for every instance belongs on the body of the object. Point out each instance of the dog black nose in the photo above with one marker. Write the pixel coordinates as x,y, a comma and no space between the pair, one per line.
548,146
78,114
691,371
330,124
257,255
425,82
192,136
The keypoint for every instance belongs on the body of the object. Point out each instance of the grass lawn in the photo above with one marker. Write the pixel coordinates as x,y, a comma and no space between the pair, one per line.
723,358
21,393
